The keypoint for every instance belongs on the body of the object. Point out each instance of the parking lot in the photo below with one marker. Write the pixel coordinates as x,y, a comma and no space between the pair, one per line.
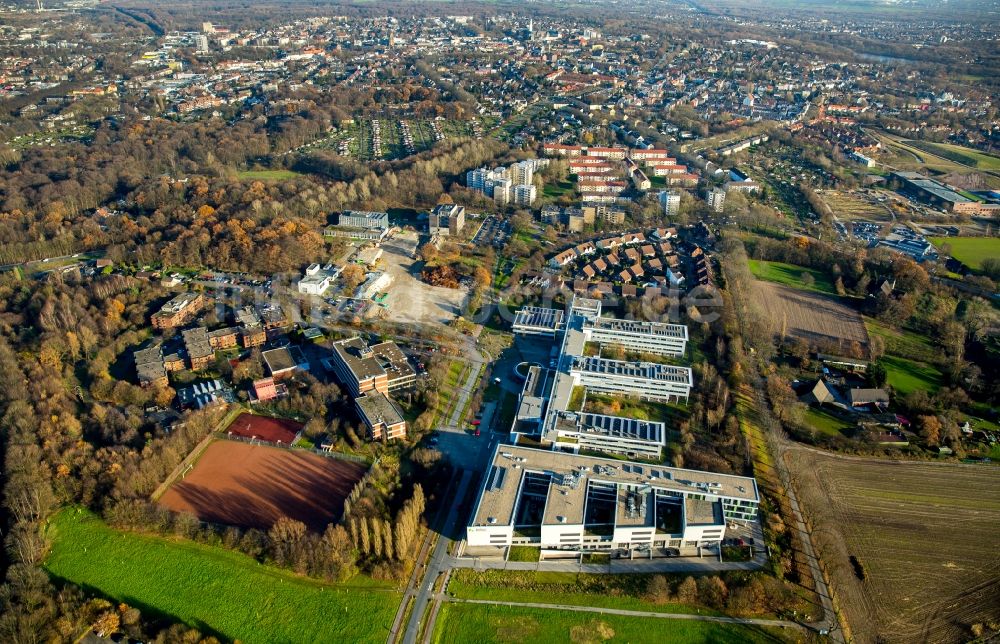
494,231
411,300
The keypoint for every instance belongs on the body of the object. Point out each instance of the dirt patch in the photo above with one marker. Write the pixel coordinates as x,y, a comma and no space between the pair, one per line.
820,320
910,546
253,485
410,299
593,632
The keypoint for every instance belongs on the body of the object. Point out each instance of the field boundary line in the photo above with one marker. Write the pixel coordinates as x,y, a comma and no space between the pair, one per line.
341,456
195,453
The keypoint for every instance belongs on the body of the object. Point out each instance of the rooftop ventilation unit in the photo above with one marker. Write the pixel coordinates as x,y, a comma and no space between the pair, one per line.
491,520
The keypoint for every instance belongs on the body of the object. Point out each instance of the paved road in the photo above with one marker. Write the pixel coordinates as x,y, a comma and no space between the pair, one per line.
417,576
749,621
781,443
84,256
439,562
829,616
476,362
692,565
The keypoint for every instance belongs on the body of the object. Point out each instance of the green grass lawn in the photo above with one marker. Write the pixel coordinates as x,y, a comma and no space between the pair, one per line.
959,154
976,413
826,423
569,588
486,623
909,358
903,342
907,376
215,590
671,413
523,553
555,189
267,175
971,251
791,275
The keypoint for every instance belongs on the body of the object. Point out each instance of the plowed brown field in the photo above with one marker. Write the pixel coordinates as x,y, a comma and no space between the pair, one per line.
924,533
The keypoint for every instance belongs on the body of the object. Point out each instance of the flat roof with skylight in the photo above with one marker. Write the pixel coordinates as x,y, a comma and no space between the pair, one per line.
570,474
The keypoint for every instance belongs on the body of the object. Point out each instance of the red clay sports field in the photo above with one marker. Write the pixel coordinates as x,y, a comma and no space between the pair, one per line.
265,428
252,486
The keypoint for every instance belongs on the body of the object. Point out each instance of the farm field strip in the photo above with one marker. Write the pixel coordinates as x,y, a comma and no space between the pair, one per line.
848,207
924,580
971,251
811,316
958,154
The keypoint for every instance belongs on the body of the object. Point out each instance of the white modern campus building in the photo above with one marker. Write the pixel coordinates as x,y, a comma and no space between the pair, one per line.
566,501
544,408
633,335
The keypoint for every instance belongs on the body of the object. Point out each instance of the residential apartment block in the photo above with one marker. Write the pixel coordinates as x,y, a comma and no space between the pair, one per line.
446,219
370,373
524,194
199,349
512,184
670,201
716,199
150,368
178,311
381,416
574,219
